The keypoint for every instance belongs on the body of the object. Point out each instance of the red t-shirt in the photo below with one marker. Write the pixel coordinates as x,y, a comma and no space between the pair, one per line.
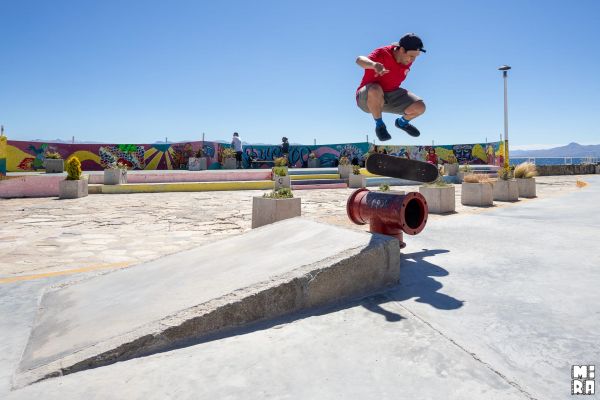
397,72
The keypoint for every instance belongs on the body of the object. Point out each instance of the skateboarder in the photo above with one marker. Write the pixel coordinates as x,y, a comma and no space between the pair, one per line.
380,91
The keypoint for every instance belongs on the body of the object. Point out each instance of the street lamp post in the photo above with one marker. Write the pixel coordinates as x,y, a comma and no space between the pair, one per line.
504,70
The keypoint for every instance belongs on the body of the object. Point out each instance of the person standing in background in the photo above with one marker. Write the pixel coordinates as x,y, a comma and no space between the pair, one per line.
236,143
285,149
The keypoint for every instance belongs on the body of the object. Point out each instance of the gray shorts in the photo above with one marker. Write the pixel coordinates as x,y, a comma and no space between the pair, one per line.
395,102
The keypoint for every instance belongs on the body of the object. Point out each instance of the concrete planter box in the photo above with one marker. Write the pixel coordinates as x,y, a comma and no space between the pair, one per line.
526,187
314,163
197,164
598,169
54,166
73,189
282,181
115,176
229,163
451,169
440,199
357,181
267,211
477,194
345,171
506,190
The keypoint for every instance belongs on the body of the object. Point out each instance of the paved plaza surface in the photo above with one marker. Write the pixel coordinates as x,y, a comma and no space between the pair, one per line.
493,303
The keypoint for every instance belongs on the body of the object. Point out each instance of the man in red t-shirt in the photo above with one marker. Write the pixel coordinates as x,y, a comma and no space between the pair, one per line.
380,91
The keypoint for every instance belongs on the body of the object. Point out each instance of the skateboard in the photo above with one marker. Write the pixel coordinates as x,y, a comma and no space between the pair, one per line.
402,168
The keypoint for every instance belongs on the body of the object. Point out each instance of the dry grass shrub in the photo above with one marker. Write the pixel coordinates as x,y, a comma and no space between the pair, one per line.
525,170
477,178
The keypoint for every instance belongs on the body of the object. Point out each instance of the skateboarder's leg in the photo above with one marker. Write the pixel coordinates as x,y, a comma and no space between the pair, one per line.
414,110
408,105
370,98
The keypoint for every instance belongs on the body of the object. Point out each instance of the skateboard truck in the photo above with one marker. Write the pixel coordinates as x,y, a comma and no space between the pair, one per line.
388,213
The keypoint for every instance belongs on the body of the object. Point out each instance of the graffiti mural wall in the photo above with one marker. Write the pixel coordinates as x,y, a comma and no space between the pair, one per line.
477,153
328,154
3,155
28,156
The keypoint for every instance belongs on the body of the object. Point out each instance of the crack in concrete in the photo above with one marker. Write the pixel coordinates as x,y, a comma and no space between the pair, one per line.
473,355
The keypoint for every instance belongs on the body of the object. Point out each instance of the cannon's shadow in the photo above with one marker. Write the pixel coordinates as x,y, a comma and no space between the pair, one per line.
417,281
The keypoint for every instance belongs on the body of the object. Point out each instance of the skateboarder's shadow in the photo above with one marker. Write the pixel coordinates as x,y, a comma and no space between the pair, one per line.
416,281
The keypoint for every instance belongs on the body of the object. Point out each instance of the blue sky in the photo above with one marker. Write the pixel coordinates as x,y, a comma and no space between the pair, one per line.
140,71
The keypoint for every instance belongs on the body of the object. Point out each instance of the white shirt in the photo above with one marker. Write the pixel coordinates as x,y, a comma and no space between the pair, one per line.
237,143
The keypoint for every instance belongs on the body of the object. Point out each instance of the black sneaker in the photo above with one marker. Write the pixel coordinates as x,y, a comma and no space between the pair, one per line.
382,133
408,128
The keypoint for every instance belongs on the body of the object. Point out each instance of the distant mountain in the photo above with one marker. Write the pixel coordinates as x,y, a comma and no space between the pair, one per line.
570,150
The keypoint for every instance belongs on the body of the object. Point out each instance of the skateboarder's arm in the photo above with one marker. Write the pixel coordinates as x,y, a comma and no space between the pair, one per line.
367,63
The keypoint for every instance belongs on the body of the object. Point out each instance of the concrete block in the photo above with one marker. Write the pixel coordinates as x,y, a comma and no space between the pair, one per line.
357,181
197,164
191,295
477,194
72,189
314,163
440,199
54,166
506,190
282,181
115,176
526,187
267,211
229,163
345,171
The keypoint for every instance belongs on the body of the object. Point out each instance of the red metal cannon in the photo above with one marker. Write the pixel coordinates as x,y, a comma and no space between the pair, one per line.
388,213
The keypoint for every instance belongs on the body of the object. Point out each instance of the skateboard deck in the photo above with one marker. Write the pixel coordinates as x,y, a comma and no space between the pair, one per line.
402,168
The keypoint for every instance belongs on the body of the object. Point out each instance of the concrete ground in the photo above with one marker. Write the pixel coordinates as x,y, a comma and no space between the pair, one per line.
494,303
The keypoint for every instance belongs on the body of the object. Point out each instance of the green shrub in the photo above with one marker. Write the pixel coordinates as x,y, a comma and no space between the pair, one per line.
384,187
356,170
439,182
283,193
73,169
504,174
280,171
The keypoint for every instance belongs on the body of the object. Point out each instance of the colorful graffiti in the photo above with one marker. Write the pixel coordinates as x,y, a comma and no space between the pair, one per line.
3,154
28,156
476,153
328,154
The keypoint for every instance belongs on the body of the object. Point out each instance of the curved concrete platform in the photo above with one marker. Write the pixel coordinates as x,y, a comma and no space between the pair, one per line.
155,306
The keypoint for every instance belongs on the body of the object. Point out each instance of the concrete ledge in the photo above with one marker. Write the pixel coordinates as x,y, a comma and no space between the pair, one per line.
174,176
157,305
571,169
182,187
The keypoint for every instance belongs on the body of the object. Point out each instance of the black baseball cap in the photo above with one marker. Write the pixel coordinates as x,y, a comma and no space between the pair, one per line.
410,41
